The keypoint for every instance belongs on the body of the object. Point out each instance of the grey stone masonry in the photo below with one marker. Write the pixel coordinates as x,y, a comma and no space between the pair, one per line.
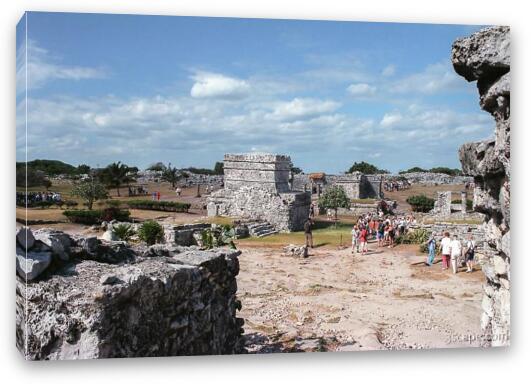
485,57
166,301
258,187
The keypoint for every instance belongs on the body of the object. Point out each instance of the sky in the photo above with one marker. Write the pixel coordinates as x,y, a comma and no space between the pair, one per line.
100,88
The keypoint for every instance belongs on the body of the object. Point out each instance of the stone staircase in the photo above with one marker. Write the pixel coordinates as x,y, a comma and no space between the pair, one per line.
261,229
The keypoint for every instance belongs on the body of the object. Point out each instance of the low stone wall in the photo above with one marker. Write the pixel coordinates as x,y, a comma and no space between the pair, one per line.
183,234
166,301
461,230
357,209
428,178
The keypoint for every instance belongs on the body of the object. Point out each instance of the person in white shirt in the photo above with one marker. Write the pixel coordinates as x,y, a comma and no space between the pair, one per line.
355,239
445,250
455,247
470,251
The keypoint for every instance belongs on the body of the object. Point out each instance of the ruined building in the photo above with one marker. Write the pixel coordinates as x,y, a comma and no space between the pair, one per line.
485,57
259,186
356,185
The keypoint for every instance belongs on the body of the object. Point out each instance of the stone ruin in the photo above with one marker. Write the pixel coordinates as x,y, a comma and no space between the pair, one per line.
83,298
443,206
356,184
258,186
485,57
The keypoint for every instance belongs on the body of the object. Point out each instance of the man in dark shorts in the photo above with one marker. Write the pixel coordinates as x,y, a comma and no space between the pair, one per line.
308,233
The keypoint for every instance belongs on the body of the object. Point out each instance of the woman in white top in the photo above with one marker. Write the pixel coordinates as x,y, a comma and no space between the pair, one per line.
445,250
455,247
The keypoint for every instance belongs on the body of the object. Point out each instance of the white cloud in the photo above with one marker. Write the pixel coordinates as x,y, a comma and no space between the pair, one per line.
389,70
391,119
301,108
42,67
433,79
213,85
361,90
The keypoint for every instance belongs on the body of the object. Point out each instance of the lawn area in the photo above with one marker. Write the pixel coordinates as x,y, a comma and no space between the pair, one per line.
325,233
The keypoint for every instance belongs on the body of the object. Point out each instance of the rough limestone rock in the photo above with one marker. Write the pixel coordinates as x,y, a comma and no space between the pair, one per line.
25,238
58,241
109,235
31,264
181,304
485,57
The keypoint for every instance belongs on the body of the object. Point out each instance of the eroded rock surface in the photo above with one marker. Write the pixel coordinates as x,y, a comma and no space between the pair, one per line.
109,300
485,57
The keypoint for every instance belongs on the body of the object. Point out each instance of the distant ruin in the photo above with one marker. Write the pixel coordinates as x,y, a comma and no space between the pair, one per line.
259,186
356,184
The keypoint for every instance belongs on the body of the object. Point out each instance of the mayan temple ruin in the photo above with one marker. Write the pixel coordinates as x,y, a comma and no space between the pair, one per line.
258,186
485,57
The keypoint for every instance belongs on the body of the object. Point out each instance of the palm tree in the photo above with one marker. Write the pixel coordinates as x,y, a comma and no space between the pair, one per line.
171,175
115,175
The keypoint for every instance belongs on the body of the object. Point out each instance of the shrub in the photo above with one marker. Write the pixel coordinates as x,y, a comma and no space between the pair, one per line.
123,231
151,232
418,236
218,236
113,213
83,216
168,206
421,203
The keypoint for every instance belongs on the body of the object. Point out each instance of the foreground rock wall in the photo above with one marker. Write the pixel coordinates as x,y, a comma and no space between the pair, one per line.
175,301
485,57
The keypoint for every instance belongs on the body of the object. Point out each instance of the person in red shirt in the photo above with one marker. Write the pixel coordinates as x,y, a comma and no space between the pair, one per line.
364,234
158,196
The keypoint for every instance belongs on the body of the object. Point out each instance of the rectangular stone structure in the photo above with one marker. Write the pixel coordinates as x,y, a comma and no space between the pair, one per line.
258,186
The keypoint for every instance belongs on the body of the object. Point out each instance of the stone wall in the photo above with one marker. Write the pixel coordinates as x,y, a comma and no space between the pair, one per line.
461,230
429,178
257,186
164,301
356,185
485,57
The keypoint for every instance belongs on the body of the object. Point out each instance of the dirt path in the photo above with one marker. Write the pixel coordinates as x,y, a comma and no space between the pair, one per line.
340,302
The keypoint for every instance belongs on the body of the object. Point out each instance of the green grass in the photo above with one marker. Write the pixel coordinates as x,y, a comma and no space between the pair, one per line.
325,233
455,221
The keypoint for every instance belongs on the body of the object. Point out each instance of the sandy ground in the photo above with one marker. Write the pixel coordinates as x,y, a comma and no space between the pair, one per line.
334,301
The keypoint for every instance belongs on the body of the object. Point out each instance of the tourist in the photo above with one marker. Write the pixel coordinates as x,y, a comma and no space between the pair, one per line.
355,239
312,210
455,247
158,195
391,234
308,233
178,191
380,233
154,196
469,254
364,234
432,243
445,250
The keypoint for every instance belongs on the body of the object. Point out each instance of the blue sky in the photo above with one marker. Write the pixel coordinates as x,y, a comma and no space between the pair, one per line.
186,90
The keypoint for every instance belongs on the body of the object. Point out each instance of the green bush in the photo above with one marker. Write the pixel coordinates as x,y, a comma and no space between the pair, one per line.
123,231
218,236
70,203
420,203
168,206
151,232
418,236
83,216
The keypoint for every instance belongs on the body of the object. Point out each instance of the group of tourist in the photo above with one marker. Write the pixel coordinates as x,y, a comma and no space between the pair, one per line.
396,185
32,198
384,229
452,251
